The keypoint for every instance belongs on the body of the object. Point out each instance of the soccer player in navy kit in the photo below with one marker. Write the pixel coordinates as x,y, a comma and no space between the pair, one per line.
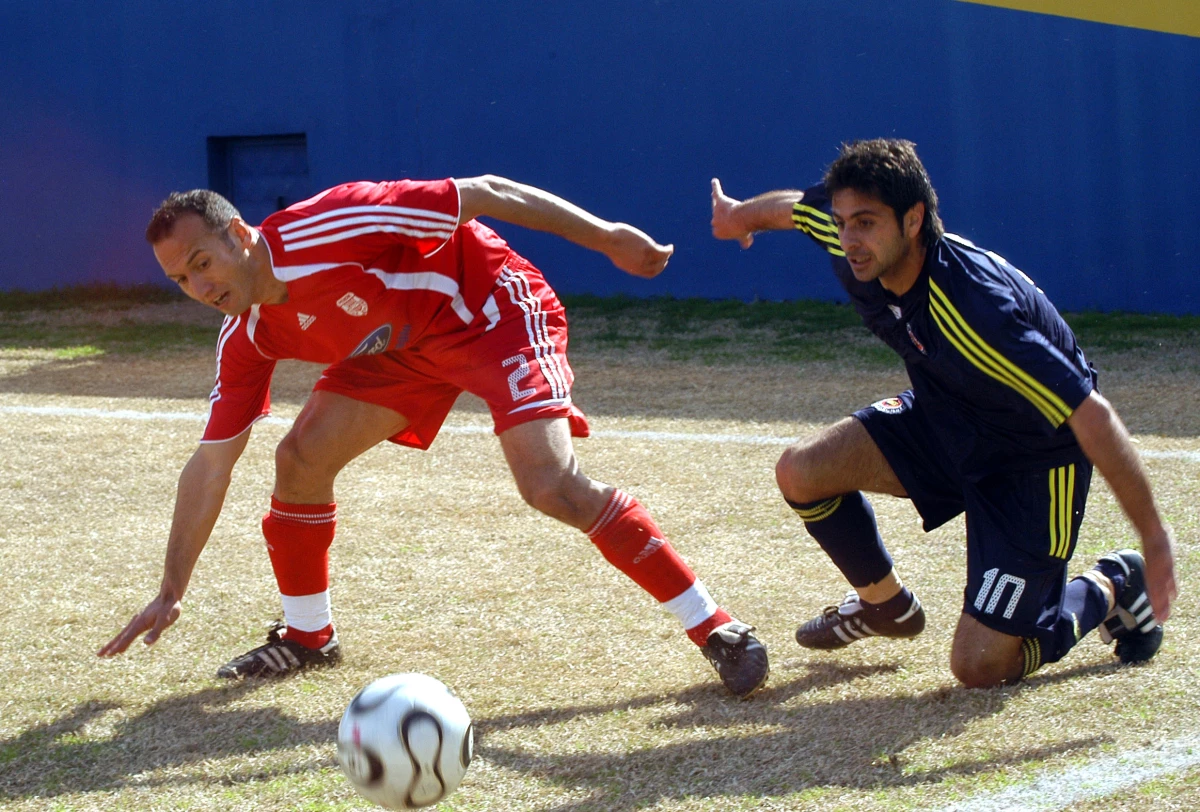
1003,422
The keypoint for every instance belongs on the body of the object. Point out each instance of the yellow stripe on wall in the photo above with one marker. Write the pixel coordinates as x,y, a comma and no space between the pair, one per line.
1167,16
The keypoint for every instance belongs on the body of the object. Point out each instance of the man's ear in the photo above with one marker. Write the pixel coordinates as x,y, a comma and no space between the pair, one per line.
240,233
914,218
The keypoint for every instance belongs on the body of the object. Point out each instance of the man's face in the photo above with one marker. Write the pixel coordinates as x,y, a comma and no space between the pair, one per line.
212,268
872,239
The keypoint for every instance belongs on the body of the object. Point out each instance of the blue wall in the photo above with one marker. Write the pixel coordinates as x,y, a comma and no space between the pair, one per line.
1067,146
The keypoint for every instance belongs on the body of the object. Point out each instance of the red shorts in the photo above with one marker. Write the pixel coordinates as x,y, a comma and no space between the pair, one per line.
513,356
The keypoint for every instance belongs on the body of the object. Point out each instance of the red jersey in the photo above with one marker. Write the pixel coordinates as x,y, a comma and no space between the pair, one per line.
369,268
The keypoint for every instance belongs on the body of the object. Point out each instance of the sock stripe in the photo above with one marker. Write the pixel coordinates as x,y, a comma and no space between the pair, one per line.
819,511
617,503
1031,647
304,518
693,606
307,613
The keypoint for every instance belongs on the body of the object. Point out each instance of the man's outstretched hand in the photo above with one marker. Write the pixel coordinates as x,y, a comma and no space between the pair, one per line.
1161,587
154,620
725,225
635,252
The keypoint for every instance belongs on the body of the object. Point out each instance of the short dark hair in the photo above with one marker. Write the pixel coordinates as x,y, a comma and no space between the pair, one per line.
889,169
212,208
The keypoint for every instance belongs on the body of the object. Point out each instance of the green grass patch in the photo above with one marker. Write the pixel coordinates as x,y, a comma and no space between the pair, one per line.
74,341
1132,331
705,330
724,330
728,330
72,353
801,316
91,296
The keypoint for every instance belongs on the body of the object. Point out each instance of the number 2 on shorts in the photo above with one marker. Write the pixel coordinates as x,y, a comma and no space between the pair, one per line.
514,378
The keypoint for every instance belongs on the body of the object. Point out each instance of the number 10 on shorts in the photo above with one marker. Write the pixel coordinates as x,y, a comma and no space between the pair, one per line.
995,587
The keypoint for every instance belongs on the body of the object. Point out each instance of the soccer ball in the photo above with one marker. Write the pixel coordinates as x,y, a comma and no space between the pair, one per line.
405,741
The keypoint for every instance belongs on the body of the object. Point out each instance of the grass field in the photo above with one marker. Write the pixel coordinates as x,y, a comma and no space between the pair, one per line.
585,696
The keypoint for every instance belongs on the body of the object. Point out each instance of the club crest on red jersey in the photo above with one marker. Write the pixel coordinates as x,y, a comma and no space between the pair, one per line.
353,305
888,405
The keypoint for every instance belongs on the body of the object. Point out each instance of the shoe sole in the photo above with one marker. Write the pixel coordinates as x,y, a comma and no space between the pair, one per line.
266,673
1132,649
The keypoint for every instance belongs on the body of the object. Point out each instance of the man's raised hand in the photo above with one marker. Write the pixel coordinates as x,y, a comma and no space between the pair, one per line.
725,224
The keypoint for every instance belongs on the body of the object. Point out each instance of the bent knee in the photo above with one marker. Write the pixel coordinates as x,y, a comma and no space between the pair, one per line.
563,497
983,669
296,458
542,496
795,473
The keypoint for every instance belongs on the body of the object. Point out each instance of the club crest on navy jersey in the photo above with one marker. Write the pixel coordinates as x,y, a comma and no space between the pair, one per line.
889,405
916,341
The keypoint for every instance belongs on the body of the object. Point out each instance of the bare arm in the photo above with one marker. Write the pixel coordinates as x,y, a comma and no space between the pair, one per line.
740,219
1104,439
198,502
630,249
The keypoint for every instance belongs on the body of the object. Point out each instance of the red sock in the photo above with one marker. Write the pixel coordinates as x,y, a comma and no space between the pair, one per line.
309,639
629,539
298,539
699,633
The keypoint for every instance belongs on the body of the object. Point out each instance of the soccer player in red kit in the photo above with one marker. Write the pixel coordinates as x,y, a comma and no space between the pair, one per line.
411,301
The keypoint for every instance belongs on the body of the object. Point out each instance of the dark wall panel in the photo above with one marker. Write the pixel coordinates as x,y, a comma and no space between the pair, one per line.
1065,145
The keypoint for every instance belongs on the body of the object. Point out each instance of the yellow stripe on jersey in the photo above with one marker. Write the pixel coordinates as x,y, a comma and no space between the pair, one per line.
990,361
1062,501
984,362
1053,511
818,225
1031,647
819,511
820,219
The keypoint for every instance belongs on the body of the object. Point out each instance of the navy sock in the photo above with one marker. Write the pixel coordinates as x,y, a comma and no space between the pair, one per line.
893,607
845,528
1082,609
1114,573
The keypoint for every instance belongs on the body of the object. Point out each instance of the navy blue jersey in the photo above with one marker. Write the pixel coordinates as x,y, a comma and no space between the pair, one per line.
989,356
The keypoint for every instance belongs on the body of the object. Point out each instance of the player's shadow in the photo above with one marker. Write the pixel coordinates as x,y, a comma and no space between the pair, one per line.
852,743
56,758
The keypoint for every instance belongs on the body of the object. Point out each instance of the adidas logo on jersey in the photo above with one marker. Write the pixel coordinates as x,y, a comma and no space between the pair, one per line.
650,549
305,320
353,305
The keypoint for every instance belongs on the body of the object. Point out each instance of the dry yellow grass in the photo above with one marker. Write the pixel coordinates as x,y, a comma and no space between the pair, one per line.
585,695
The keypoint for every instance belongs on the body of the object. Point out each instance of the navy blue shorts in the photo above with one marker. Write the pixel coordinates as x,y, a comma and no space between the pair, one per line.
1021,526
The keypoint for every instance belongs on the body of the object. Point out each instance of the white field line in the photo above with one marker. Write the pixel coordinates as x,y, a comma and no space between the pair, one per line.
660,436
1059,789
